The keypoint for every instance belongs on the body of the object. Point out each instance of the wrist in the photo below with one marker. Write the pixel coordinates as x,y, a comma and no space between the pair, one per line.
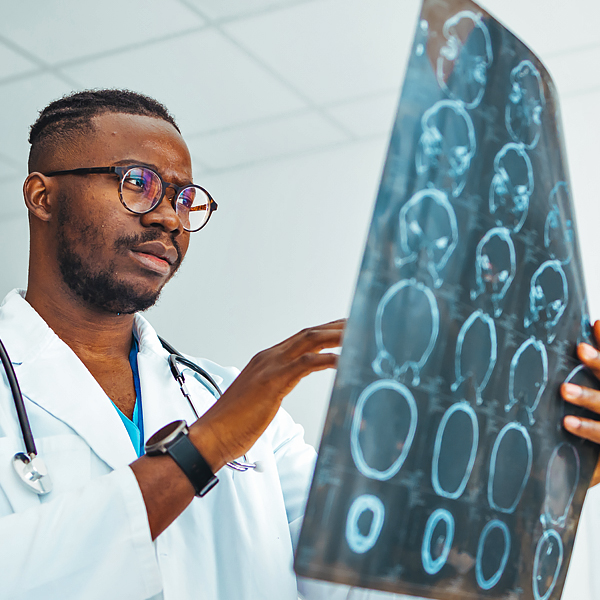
173,440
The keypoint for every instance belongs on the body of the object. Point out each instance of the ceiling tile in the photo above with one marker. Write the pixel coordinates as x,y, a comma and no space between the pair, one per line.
280,137
234,8
66,29
204,80
552,26
12,63
369,116
334,49
22,100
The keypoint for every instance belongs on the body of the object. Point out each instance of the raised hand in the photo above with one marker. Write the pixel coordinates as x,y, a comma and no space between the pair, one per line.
586,398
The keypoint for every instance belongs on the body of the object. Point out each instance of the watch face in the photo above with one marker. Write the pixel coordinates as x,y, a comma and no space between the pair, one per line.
166,434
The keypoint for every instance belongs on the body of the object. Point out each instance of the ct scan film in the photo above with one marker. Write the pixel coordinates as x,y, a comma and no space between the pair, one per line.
444,470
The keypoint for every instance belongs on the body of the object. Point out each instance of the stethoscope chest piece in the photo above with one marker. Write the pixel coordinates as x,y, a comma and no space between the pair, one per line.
32,471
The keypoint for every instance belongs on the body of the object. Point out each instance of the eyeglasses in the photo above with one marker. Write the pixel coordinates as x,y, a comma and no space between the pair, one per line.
141,190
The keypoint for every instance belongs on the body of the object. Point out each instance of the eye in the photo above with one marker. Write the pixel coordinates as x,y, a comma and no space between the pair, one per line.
134,181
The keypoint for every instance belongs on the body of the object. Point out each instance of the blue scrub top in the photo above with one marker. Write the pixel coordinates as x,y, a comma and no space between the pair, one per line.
135,426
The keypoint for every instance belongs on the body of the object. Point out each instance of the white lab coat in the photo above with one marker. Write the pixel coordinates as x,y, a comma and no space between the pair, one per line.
89,538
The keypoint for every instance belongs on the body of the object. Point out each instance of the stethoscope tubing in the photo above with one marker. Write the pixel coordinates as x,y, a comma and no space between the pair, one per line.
176,357
19,404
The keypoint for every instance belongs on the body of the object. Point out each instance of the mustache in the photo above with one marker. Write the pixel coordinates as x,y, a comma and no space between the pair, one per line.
127,242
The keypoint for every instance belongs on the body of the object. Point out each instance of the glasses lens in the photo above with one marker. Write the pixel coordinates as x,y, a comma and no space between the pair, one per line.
193,208
141,189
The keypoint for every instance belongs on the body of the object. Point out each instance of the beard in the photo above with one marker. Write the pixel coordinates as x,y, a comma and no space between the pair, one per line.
100,287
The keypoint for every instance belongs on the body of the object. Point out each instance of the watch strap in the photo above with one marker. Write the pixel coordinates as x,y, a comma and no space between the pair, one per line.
192,463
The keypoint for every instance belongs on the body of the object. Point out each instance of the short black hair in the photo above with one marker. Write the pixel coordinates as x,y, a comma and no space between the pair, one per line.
63,119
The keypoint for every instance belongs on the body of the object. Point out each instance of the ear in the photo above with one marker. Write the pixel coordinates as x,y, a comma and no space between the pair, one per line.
37,195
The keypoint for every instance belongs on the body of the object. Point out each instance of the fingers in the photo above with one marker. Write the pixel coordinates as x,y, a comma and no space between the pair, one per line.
337,324
584,428
581,396
586,398
310,363
589,357
315,339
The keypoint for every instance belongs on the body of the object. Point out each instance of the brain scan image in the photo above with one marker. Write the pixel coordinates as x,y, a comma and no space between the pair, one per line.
548,298
558,230
383,429
446,146
492,554
562,477
428,233
362,539
528,376
414,305
511,187
510,467
495,267
437,540
455,450
526,102
476,352
464,59
546,564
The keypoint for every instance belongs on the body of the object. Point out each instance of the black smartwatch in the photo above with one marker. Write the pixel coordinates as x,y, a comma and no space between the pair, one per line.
173,440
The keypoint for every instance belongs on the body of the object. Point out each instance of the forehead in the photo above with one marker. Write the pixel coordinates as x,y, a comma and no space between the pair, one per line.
119,138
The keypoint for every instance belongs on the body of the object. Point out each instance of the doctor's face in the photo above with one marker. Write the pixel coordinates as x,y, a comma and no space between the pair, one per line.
110,258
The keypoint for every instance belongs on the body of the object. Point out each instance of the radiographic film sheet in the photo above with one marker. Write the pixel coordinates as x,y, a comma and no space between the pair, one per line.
444,470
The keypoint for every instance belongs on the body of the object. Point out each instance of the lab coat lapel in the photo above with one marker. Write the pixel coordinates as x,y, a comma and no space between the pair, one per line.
162,400
52,376
59,382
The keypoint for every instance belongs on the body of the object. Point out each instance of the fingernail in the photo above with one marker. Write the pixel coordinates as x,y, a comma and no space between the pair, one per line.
571,390
572,423
587,351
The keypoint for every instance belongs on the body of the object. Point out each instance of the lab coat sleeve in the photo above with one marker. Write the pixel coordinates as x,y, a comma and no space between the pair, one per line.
90,543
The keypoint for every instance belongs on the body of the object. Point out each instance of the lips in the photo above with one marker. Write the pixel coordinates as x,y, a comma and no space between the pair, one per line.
158,250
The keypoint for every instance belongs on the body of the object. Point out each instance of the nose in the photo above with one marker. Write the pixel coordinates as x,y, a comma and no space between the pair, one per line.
164,215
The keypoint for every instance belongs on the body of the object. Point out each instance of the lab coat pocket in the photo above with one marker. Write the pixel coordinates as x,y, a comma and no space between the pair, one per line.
67,459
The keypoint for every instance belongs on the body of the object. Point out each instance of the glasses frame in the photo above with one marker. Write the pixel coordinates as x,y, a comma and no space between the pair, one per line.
121,171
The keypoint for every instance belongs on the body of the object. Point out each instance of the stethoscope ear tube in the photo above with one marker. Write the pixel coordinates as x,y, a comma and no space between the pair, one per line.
176,357
19,404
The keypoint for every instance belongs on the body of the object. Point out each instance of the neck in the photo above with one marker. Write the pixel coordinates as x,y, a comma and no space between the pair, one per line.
90,332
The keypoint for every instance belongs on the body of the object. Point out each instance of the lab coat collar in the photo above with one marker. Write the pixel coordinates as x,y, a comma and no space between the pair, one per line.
70,392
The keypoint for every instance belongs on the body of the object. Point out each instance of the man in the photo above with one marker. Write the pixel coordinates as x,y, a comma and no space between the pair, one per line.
104,241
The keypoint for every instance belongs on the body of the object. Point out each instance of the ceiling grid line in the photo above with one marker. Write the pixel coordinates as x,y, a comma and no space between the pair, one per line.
275,74
43,66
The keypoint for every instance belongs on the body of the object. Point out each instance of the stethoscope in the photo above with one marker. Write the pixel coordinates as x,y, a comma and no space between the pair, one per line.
30,467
